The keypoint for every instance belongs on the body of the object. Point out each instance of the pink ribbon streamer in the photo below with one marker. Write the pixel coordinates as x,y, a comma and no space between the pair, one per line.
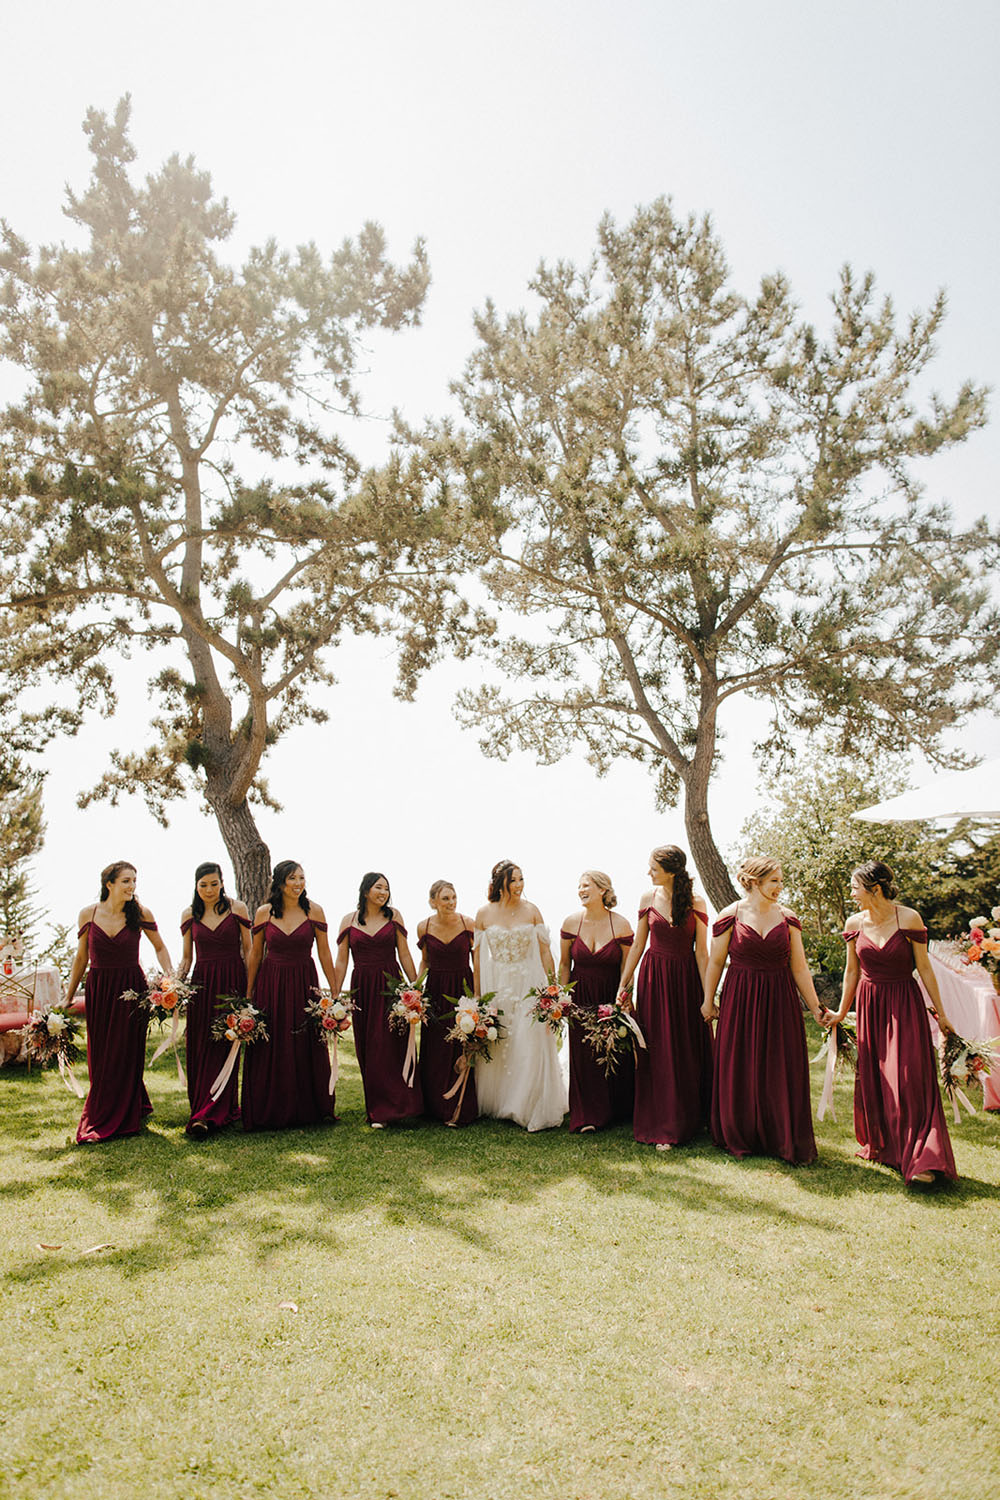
171,1041
226,1072
957,1098
69,1078
410,1060
826,1097
334,1065
634,1027
463,1068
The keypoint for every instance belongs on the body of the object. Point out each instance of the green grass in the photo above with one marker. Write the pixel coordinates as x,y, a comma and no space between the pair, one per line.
483,1313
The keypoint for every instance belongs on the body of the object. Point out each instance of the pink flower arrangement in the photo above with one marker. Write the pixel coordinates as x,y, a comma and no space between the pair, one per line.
611,1033
553,1005
408,1005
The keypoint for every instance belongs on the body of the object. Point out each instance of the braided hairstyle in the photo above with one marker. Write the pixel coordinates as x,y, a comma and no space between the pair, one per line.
110,873
275,896
674,862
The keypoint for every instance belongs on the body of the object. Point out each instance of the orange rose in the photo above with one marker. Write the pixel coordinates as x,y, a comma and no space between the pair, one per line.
168,1000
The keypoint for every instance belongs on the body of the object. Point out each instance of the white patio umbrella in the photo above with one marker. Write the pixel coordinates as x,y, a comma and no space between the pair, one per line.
955,794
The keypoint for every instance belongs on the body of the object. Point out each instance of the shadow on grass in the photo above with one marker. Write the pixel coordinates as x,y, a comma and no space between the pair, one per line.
276,1188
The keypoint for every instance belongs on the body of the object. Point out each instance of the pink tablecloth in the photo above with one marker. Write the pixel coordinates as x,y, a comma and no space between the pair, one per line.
973,1008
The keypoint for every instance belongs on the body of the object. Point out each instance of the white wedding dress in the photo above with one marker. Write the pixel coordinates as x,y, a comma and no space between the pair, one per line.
523,1081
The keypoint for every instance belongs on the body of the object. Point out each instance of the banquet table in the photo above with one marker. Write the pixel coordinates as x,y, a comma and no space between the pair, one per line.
973,1008
34,987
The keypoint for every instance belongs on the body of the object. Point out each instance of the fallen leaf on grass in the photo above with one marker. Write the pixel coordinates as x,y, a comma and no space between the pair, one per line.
92,1250
40,1246
289,1306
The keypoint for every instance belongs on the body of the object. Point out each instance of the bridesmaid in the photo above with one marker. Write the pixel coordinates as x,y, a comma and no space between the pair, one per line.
760,1095
445,942
218,930
286,1080
375,938
109,933
898,1116
673,1081
594,945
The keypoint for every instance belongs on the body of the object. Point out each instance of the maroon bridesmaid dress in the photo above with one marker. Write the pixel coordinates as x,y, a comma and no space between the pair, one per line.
116,1035
760,1095
596,1099
286,1080
380,1050
898,1115
218,970
448,970
673,1076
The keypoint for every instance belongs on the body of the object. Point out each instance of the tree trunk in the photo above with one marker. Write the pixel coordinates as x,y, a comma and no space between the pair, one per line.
250,855
708,861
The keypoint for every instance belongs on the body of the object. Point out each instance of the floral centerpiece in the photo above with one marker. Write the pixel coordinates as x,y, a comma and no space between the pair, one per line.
981,944
408,1009
476,1025
963,1065
330,1016
840,1045
240,1023
553,1005
611,1032
54,1036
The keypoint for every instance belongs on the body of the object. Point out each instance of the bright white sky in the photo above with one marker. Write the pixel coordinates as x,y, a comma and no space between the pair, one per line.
862,130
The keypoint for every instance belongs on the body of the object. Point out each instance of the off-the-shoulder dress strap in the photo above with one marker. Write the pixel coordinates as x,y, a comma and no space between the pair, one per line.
319,926
915,934
243,921
398,924
849,934
701,916
187,924
259,926
149,927
345,932
478,933
89,922
793,921
723,924
626,939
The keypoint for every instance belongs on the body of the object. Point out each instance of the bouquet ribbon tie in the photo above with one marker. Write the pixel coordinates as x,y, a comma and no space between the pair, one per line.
826,1097
633,1026
957,1098
69,1078
463,1068
334,1066
168,1042
225,1072
410,1060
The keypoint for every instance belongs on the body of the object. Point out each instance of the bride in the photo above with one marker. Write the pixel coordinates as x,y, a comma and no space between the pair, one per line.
523,1081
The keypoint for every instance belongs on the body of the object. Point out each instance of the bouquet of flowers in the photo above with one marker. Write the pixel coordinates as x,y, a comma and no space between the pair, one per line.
166,998
981,944
839,1045
330,1015
240,1024
553,1005
408,1007
476,1026
611,1032
54,1036
964,1064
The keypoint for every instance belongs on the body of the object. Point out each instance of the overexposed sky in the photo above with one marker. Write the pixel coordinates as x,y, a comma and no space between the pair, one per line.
865,130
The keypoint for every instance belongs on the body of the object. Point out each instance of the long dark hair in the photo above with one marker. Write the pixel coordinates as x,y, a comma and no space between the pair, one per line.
366,884
500,878
110,873
674,862
223,904
275,899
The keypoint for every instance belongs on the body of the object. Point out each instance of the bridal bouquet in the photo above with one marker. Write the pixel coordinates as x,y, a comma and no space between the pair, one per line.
166,998
240,1024
330,1015
553,1005
54,1036
611,1032
408,1007
839,1045
477,1025
965,1064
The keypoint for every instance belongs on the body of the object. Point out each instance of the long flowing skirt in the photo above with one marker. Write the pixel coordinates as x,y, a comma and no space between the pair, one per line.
673,1076
286,1080
117,1102
205,1057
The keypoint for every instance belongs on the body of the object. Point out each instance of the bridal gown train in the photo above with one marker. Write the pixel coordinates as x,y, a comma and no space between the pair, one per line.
524,1081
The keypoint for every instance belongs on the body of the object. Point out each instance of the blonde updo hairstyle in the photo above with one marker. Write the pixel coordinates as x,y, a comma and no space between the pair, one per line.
755,868
438,887
603,883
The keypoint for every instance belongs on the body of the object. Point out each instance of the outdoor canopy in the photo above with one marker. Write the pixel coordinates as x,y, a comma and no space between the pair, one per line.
957,794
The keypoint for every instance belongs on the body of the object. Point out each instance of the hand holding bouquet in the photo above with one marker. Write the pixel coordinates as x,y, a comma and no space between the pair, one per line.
166,998
331,1015
611,1033
476,1026
964,1065
553,1005
408,1008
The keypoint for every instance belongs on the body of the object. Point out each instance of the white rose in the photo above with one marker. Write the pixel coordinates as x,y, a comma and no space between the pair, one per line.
466,1022
491,1033
339,1011
994,932
995,913
55,1023
978,922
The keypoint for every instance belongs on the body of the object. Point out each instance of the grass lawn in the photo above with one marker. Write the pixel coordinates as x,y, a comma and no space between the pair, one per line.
427,1314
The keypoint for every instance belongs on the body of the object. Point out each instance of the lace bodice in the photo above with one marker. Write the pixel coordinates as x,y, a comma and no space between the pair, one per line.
513,945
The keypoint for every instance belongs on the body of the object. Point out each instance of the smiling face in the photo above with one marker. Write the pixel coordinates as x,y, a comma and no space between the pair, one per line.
586,890
516,886
122,888
294,885
209,888
445,902
769,885
860,894
657,874
378,894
